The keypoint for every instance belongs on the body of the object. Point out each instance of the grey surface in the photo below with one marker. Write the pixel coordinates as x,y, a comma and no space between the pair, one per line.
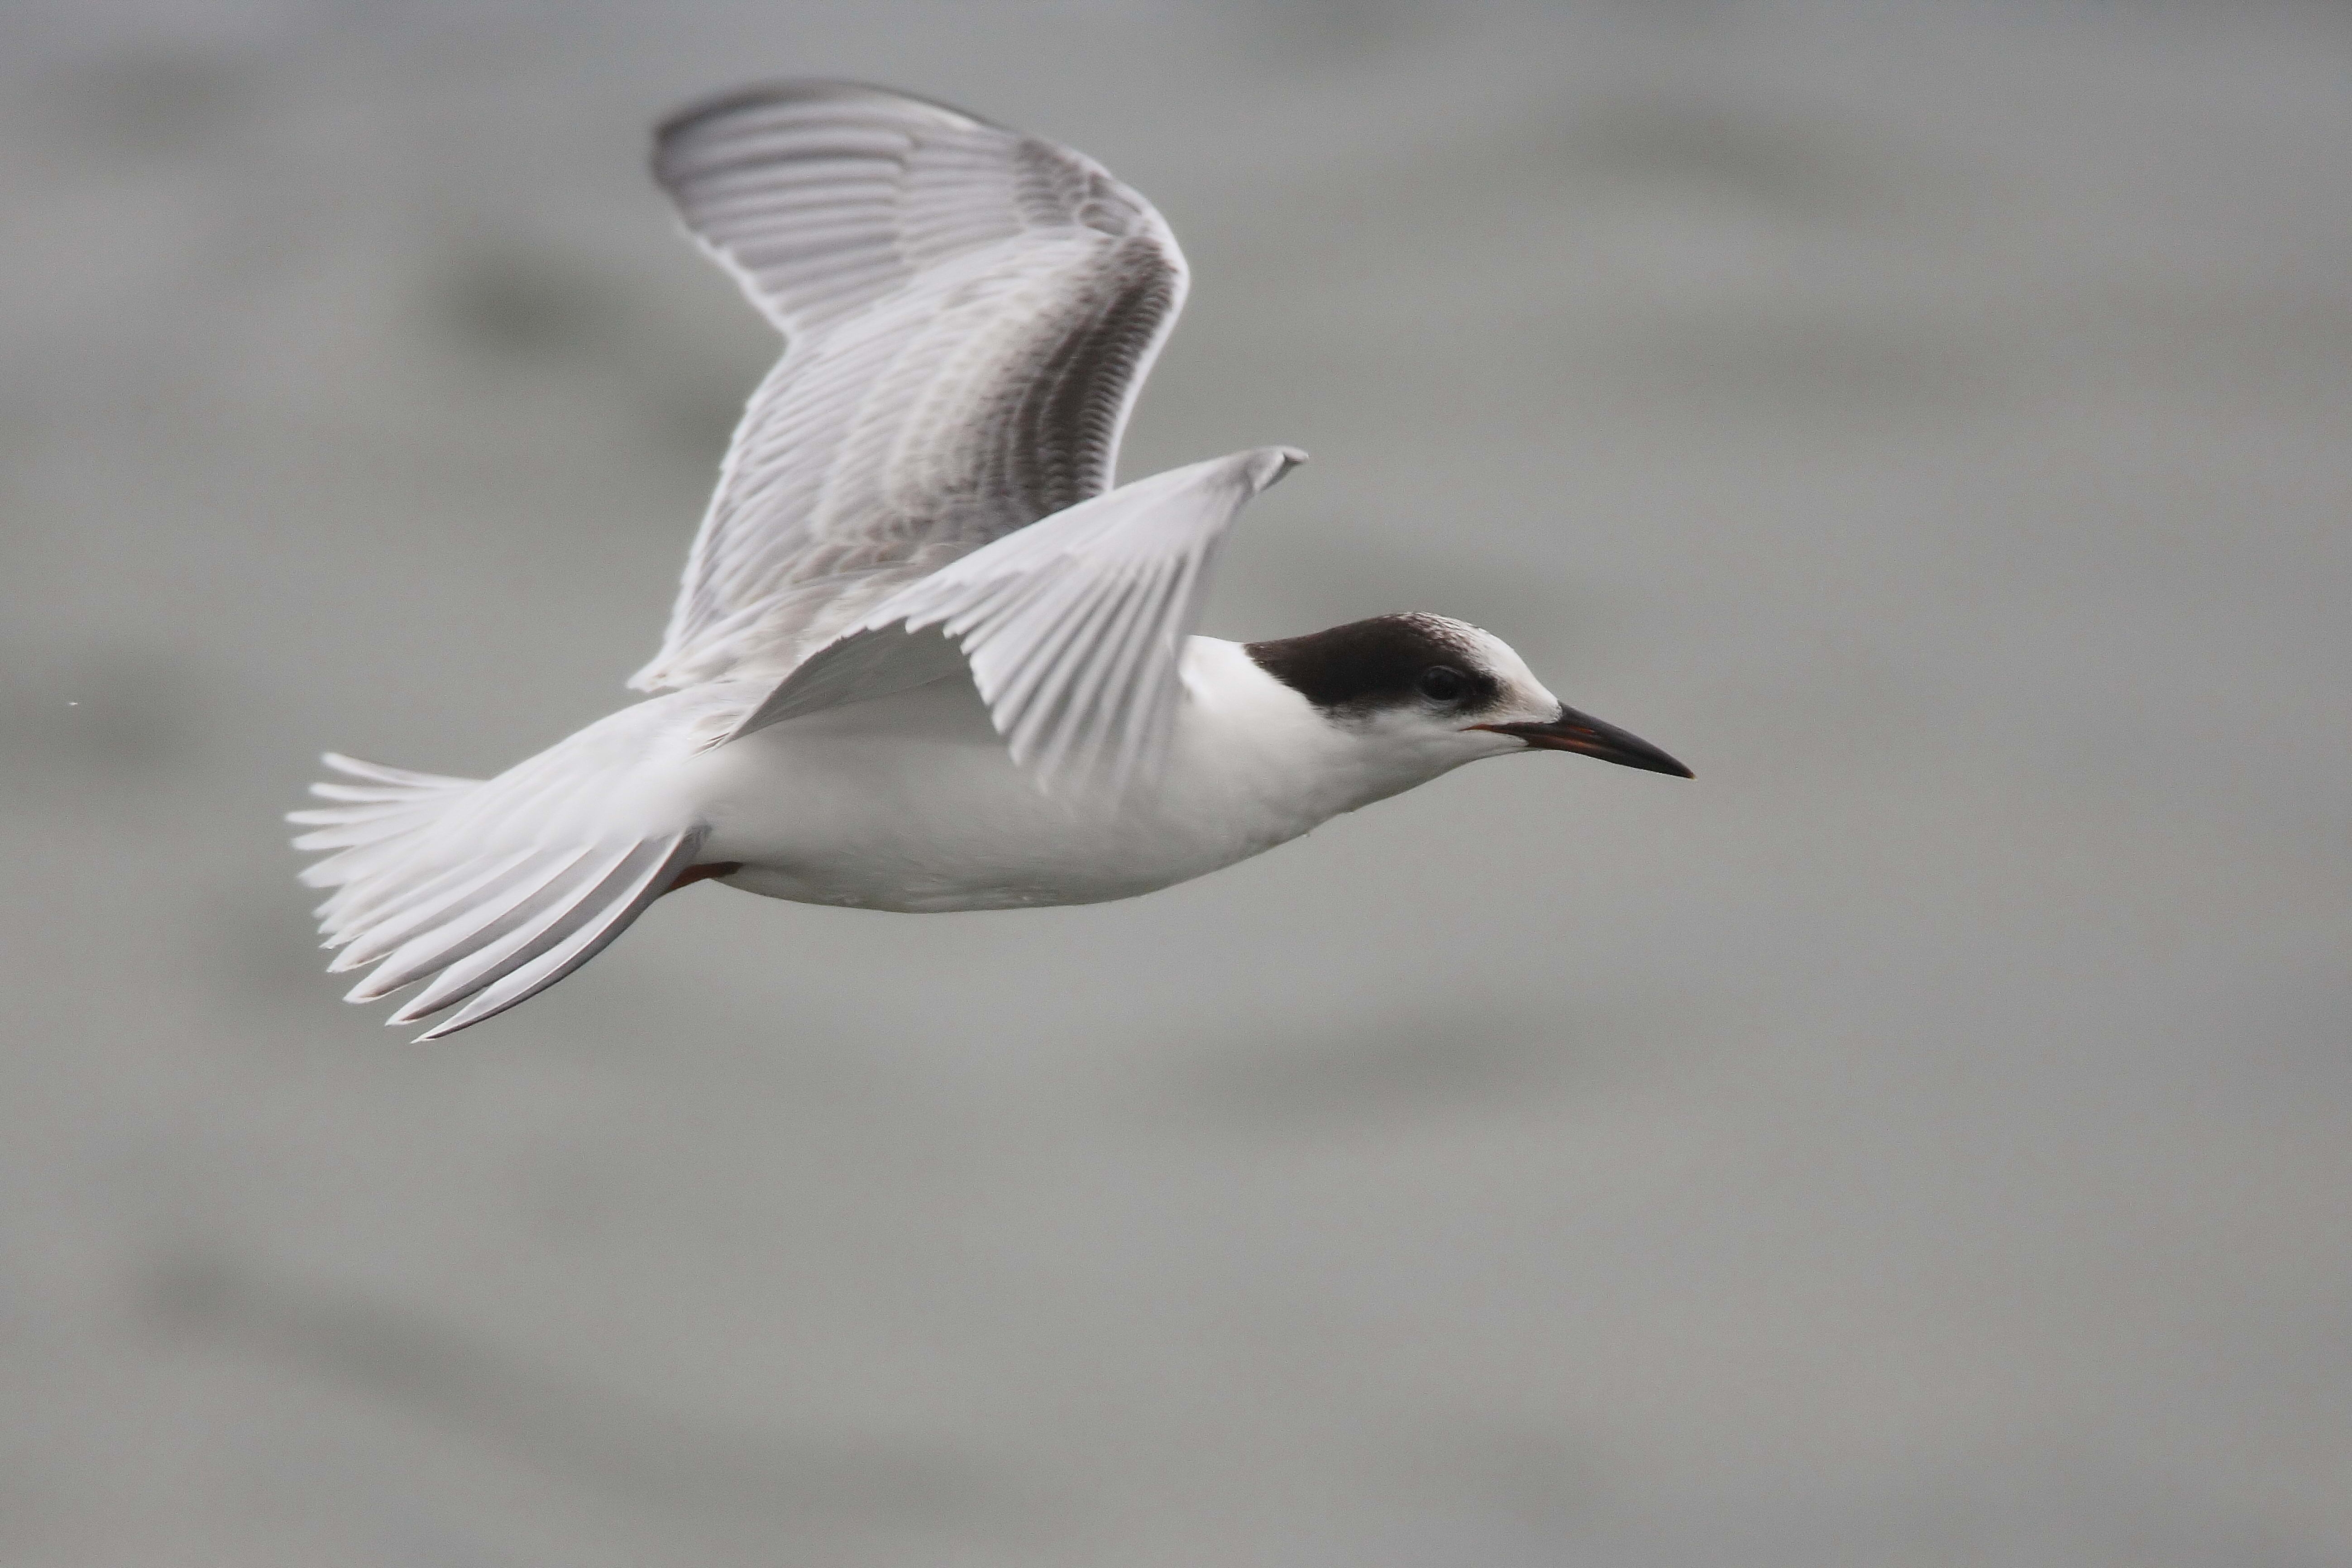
1926,1139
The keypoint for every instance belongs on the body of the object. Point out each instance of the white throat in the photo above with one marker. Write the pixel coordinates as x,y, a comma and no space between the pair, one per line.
1242,730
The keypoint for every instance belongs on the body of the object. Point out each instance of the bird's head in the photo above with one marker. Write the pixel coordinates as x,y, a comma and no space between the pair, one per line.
1421,695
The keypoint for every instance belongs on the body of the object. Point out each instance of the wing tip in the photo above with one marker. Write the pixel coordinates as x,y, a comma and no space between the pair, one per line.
801,90
1266,466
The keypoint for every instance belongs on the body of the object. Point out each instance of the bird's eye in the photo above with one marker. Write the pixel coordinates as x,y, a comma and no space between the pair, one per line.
1442,683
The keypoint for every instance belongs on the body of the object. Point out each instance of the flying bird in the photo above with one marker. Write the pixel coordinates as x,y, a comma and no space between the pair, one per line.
926,656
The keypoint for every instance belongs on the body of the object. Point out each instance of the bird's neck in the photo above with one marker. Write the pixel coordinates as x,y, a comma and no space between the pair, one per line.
1251,743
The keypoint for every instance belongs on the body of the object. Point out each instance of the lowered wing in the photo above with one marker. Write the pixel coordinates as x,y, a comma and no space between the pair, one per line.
1073,628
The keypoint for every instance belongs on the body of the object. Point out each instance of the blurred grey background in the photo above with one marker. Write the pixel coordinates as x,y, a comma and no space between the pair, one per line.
1924,1140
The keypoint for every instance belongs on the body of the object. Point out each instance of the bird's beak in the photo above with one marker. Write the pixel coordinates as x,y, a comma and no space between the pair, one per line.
1574,732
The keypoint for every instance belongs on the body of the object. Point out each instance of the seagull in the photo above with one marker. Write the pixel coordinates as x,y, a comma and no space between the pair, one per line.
927,655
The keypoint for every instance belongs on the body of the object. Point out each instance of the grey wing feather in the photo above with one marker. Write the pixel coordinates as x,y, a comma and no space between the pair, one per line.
1073,628
970,313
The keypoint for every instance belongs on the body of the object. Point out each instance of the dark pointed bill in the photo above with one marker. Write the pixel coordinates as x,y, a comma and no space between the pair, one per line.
1574,732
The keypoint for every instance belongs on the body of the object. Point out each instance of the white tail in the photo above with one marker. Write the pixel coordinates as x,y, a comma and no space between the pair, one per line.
452,881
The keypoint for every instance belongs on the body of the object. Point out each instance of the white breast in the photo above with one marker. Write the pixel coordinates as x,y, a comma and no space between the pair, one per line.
911,802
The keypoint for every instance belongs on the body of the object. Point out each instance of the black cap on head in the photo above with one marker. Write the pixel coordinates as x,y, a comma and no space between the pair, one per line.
1367,665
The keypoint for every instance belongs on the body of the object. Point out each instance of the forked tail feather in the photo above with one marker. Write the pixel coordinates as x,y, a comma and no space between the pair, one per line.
444,881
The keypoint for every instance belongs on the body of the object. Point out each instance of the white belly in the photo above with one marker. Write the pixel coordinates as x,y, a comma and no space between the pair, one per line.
912,803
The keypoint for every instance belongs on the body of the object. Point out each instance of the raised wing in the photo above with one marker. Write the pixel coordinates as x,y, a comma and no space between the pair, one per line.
968,315
1073,627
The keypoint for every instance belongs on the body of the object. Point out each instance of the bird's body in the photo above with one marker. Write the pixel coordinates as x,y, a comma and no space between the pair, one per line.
911,802
926,658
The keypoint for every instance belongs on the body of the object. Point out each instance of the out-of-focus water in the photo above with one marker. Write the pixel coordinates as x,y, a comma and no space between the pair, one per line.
1925,1138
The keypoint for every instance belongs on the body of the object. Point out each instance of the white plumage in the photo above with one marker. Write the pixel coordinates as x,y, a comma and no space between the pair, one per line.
924,657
